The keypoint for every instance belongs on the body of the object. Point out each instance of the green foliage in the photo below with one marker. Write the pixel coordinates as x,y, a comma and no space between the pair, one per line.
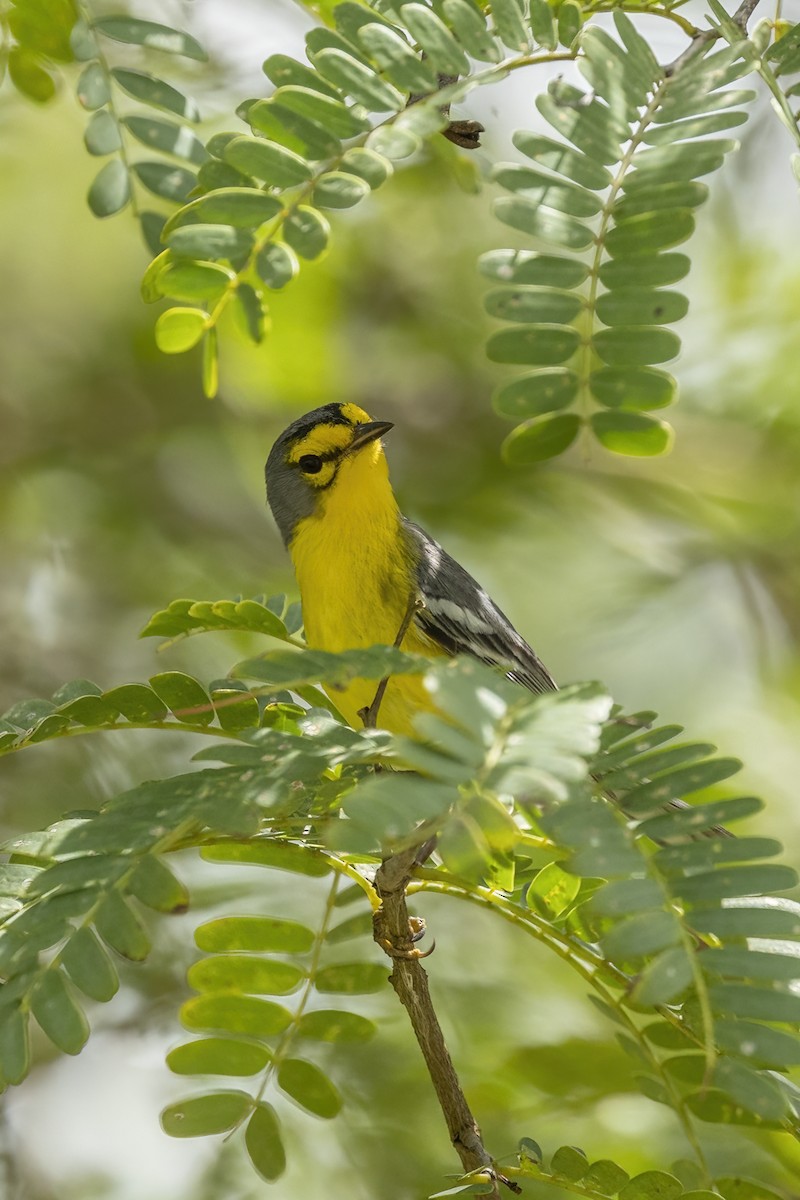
675,927
558,814
625,194
115,134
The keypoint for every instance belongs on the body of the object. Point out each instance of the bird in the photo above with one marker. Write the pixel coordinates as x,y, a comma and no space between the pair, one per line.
369,576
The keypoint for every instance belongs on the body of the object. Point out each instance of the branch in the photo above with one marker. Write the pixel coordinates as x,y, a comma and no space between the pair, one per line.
703,37
394,934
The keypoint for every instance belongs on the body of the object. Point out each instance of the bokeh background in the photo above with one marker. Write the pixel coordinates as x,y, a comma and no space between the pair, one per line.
675,581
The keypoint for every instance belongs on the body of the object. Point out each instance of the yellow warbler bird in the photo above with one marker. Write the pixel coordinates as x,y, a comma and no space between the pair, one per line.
365,572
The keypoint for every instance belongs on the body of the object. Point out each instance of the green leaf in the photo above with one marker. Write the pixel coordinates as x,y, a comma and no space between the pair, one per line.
368,165
358,80
136,702
154,884
167,180
333,1025
565,161
183,695
263,1140
393,143
569,1162
276,264
735,881
294,130
569,22
54,1006
588,127
509,24
253,323
642,934
641,306
306,231
122,929
652,197
148,33
694,820
753,1090
758,1043
664,979
339,189
605,1176
469,26
359,925
154,91
744,1189
168,137
758,917
760,1004
230,1013
199,1116
214,175
396,59
546,390
535,344
632,433
268,161
241,207
533,304
712,851
29,76
218,1056
89,966
330,114
435,39
15,1050
254,933
541,438
285,856
683,160
242,973
210,367
288,668
110,190
102,135
558,229
652,1185
210,241
352,978
542,24
552,890
529,267
309,1087
93,89
627,895
649,232
651,270
282,70
179,329
194,281
632,387
627,346
541,188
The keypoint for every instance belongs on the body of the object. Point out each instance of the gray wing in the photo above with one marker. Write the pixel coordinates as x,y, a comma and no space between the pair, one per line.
463,619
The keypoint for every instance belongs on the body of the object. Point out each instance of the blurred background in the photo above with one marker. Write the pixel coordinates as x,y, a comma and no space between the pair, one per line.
676,581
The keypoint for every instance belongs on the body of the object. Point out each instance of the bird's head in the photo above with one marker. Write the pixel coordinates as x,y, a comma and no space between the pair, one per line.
321,455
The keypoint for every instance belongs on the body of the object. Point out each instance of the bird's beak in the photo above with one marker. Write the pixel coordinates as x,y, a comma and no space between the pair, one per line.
369,432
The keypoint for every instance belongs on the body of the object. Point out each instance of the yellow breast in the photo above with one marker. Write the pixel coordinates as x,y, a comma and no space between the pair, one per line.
356,581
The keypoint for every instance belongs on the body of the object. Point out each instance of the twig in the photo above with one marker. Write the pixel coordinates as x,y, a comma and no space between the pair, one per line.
369,715
701,39
396,936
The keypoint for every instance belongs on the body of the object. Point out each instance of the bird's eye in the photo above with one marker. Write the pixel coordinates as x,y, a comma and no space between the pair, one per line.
310,464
